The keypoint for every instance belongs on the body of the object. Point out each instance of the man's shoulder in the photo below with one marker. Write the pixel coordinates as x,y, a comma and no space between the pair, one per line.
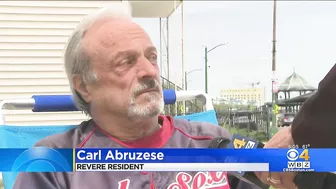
67,139
201,129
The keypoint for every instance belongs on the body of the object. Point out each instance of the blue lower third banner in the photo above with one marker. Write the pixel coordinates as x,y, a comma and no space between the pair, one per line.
42,159
39,159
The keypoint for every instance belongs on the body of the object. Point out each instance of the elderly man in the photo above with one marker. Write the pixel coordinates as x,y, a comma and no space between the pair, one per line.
113,73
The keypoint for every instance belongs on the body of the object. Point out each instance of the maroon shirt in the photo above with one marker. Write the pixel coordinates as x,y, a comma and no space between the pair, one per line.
174,133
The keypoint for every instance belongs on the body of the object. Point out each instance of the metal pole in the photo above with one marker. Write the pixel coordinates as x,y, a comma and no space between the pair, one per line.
206,70
182,45
168,65
161,61
185,81
185,88
273,130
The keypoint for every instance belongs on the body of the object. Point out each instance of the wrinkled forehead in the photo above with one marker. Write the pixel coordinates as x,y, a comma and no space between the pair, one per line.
114,35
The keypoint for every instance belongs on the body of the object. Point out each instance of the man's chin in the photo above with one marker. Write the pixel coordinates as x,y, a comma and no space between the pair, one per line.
152,106
140,112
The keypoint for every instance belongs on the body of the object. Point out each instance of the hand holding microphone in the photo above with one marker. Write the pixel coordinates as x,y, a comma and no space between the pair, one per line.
282,139
308,180
262,180
236,177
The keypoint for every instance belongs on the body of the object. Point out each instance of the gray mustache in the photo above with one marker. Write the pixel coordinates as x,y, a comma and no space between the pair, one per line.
147,85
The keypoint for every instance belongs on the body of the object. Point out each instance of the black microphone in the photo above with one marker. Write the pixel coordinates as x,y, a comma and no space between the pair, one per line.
239,142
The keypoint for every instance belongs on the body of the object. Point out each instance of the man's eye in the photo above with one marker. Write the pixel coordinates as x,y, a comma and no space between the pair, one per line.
153,58
127,61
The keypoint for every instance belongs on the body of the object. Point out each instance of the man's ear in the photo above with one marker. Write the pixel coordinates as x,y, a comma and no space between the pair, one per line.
81,87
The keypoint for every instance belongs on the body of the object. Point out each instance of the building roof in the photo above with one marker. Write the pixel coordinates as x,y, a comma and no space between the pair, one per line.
154,9
296,83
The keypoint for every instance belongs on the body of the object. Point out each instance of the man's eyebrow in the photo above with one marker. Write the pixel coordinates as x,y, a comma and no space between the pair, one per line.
123,53
127,52
150,49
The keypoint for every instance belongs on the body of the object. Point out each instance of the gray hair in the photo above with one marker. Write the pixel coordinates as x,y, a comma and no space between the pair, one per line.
76,60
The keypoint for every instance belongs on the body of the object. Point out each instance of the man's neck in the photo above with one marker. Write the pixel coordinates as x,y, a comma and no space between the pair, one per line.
125,129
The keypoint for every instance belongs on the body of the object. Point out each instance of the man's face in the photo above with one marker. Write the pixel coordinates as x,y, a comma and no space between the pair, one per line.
125,62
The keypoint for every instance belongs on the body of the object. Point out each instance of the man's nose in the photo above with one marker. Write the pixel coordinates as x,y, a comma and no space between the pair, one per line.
147,69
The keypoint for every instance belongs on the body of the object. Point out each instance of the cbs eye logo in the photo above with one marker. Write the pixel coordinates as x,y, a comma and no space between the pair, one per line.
293,155
41,159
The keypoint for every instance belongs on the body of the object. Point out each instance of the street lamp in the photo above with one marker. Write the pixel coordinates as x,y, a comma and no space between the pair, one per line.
186,76
274,129
206,51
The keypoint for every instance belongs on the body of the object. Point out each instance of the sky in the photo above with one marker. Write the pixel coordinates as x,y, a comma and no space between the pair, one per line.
306,41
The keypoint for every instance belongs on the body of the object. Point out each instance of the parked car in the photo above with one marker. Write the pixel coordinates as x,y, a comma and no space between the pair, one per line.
285,119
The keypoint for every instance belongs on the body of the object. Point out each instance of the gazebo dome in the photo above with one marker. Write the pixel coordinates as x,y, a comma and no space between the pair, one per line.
296,83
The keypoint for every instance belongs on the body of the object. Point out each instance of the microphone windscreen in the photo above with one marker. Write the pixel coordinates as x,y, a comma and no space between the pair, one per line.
219,142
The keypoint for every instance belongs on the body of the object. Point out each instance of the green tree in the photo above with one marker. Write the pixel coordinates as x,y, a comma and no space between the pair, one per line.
257,135
226,107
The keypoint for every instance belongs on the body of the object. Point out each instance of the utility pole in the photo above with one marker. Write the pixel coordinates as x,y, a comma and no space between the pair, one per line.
274,79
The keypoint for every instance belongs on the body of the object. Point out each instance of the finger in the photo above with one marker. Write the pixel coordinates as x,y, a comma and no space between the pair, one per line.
274,179
288,180
258,174
263,177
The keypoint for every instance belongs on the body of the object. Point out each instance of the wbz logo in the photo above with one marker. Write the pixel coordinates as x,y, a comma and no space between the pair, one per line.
299,164
293,155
